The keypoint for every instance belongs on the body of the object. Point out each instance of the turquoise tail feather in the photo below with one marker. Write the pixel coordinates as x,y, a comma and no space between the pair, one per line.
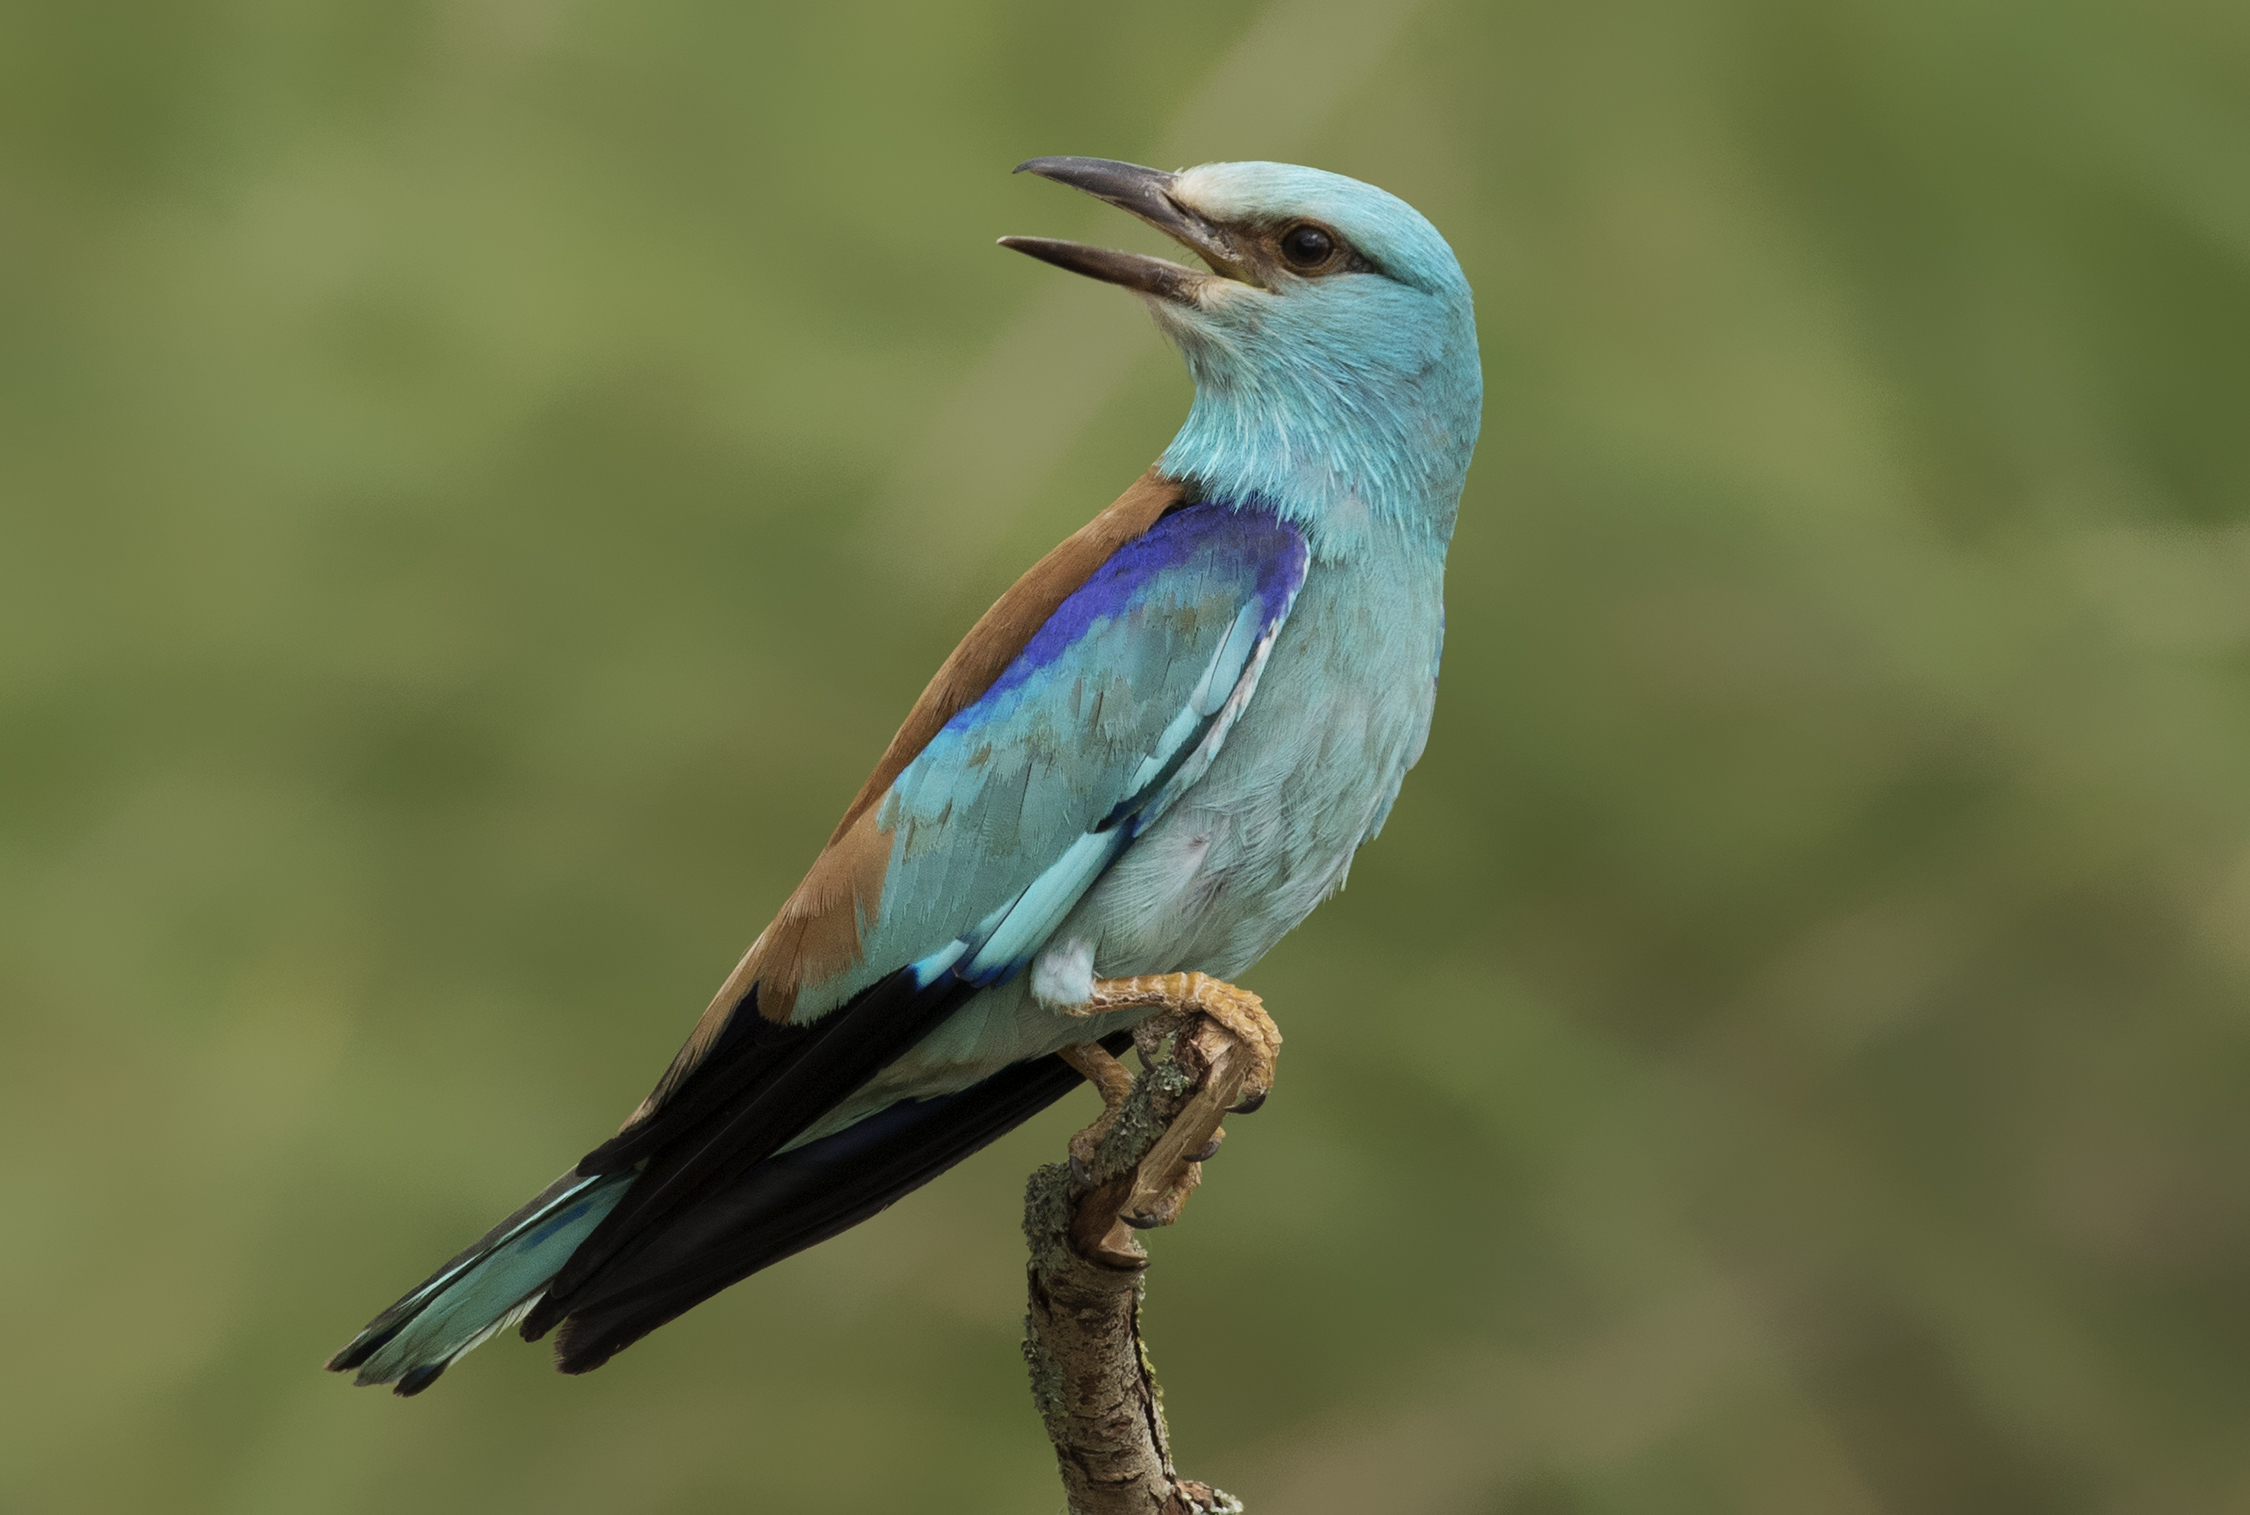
484,1290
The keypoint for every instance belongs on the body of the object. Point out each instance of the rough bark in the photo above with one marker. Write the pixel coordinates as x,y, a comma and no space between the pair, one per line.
1090,1372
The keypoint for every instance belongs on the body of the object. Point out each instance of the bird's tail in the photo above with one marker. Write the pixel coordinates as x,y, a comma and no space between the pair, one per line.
484,1290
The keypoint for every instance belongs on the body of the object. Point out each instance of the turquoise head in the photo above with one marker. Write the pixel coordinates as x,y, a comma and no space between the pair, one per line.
1332,341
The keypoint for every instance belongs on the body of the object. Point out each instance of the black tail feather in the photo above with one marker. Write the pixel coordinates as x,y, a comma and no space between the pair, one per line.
697,1154
793,1200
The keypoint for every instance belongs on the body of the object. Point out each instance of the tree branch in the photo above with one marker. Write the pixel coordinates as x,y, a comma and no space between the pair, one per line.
1090,1373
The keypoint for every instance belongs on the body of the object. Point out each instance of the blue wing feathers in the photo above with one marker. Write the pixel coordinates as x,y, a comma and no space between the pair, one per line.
1109,701
997,832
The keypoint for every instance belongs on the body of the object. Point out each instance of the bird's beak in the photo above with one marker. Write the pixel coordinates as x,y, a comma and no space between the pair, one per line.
1147,193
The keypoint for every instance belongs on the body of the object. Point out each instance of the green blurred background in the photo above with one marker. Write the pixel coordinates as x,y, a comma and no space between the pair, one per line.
480,480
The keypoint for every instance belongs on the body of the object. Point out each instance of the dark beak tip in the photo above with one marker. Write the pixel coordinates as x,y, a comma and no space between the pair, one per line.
1105,178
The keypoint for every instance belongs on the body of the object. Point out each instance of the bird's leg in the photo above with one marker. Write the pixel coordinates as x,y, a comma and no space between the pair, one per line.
1109,1078
1242,1013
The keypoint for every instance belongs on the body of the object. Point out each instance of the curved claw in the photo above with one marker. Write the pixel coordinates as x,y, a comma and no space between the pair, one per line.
1205,1153
1250,1105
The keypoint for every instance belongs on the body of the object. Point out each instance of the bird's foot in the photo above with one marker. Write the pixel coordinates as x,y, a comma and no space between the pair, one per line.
1228,1045
1240,1012
1237,1074
1219,1063
1109,1078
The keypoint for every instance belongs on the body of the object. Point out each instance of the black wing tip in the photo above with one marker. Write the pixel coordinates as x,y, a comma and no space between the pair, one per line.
541,1318
575,1357
824,1187
714,1143
415,1380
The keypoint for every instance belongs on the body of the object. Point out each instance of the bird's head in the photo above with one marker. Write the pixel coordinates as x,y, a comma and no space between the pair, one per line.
1332,341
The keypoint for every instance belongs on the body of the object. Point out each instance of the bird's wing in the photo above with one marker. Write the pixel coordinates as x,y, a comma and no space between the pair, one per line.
1082,705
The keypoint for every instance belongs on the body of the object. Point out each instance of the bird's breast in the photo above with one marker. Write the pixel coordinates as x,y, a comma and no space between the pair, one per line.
1309,772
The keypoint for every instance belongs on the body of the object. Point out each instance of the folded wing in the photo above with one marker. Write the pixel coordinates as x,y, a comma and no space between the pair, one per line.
1083,705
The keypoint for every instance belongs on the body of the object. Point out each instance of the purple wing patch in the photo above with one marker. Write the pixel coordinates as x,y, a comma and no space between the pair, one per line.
1224,536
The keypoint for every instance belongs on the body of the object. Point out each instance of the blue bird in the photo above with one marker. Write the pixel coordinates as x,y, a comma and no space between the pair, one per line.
1147,762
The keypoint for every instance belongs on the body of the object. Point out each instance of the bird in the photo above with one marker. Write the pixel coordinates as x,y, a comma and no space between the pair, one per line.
1148,761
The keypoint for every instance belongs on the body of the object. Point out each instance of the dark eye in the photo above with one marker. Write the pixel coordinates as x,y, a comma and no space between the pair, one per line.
1307,246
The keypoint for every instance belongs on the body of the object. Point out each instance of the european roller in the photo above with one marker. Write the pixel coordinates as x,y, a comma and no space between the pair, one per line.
1147,762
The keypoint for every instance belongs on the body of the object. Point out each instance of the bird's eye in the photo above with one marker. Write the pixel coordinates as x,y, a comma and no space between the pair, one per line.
1307,246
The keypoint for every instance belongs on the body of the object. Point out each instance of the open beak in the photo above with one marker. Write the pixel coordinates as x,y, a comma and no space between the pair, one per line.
1147,193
